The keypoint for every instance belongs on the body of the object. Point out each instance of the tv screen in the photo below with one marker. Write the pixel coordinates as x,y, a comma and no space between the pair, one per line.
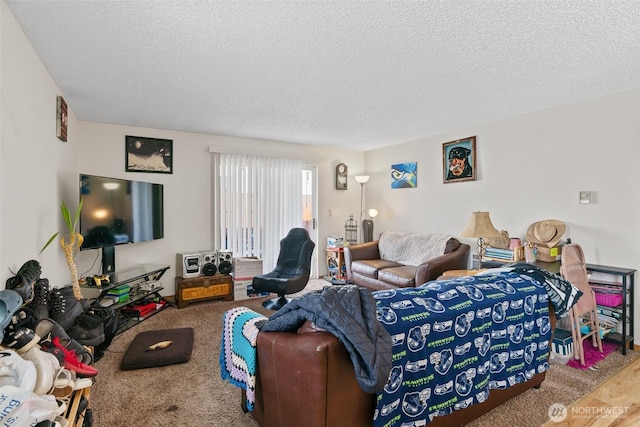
119,211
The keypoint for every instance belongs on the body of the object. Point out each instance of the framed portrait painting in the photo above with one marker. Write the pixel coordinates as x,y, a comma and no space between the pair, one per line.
459,160
148,154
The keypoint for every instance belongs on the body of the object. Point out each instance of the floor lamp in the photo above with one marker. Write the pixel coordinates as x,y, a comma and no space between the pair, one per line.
362,180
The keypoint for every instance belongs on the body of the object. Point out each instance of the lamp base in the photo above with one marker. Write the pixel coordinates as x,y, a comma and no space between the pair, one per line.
481,247
367,230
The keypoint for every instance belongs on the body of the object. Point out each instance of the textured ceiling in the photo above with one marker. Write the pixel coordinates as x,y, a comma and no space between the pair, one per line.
354,74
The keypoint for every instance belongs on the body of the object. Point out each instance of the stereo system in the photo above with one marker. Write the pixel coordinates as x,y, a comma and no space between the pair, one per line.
204,263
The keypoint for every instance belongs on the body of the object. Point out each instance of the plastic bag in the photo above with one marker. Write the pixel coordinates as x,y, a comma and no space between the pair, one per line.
20,407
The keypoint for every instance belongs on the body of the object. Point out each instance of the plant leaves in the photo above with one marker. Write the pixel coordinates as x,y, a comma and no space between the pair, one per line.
51,239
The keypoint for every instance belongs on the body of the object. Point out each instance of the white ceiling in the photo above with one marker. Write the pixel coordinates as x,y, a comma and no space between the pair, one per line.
353,74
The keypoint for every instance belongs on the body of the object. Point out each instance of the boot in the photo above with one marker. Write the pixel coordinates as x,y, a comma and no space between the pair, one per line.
40,303
24,280
64,308
88,329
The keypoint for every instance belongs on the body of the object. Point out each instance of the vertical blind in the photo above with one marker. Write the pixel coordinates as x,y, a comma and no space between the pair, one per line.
260,200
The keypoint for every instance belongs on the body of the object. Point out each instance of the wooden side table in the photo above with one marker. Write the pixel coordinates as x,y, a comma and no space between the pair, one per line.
203,288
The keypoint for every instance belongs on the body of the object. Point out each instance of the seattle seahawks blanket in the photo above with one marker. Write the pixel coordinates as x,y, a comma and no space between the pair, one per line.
455,340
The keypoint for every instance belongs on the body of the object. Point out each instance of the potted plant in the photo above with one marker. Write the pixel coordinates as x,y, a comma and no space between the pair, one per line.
70,242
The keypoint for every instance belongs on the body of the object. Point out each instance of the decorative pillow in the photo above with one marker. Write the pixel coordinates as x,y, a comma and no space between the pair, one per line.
138,355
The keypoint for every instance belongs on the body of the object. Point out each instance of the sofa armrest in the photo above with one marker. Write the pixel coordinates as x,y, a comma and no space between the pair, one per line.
433,268
368,250
307,378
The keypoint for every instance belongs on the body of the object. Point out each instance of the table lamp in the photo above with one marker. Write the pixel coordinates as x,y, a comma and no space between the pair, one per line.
481,227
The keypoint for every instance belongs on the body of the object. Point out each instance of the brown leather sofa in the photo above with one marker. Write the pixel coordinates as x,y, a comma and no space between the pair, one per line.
365,267
307,378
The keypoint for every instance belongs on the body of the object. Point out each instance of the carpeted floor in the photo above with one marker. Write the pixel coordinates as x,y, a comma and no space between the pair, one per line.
193,394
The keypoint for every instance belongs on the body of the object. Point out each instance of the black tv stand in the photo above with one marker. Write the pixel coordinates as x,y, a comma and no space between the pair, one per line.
134,277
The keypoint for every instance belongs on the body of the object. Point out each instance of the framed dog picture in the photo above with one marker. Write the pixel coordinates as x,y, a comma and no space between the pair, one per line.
459,160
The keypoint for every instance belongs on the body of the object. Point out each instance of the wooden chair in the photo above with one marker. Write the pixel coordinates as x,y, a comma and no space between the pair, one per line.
584,311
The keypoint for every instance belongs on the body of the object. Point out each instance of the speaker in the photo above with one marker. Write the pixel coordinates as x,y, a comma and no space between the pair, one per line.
188,264
209,263
225,262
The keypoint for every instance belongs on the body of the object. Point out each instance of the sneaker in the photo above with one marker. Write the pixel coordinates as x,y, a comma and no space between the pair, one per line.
64,308
47,366
22,340
47,330
16,371
24,280
22,318
69,360
39,304
66,382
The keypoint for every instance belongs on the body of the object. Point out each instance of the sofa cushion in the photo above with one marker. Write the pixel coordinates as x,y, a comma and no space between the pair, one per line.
370,267
411,248
402,277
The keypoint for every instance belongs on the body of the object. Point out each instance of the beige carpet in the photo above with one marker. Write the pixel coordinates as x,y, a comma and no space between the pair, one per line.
193,394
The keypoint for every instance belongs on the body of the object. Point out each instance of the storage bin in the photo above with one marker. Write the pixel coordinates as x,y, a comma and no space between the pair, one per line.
608,299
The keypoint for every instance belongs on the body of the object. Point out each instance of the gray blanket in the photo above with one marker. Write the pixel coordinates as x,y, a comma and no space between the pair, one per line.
349,313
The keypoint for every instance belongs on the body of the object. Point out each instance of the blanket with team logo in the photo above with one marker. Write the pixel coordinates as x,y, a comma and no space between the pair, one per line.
456,340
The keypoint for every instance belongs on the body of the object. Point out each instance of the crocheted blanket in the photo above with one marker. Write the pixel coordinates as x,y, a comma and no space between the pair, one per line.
411,249
238,359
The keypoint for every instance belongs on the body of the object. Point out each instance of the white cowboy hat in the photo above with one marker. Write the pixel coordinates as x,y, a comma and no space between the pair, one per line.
546,233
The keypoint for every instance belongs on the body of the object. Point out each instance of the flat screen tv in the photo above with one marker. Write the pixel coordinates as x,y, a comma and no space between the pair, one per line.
119,211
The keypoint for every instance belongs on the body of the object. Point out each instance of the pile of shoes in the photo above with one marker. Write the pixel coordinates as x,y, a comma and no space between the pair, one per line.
43,358
59,304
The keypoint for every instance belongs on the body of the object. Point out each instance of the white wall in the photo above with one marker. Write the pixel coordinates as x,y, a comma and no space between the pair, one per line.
530,168
187,190
38,171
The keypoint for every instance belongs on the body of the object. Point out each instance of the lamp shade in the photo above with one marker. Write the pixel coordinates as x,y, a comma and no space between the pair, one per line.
479,226
361,179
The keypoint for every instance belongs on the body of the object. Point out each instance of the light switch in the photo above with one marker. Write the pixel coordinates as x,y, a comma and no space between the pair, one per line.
585,197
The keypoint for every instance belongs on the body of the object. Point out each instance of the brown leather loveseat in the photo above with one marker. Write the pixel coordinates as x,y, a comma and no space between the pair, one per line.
401,260
307,378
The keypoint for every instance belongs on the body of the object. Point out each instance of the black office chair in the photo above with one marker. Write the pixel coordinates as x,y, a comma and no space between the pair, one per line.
291,273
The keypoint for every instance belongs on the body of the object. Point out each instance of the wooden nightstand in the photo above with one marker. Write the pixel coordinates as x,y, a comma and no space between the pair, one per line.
203,288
